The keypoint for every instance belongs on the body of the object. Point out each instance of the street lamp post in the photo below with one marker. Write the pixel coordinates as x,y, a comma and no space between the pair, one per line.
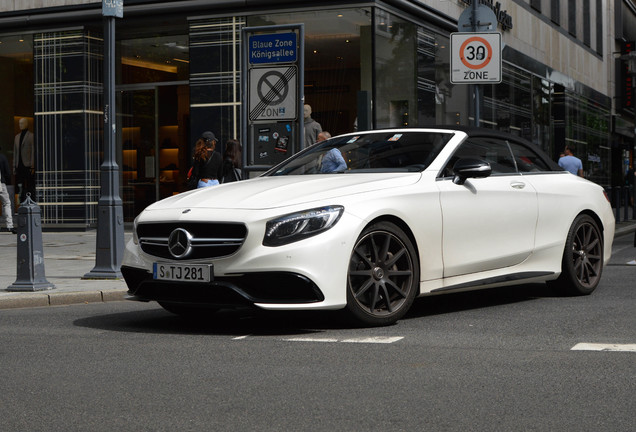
110,214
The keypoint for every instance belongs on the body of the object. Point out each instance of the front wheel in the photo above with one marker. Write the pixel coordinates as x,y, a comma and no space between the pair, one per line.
582,258
383,275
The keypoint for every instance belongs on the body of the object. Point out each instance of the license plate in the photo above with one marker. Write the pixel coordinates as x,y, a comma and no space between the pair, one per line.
183,272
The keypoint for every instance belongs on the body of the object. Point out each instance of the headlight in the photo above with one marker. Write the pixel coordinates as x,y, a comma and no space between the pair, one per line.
297,226
134,233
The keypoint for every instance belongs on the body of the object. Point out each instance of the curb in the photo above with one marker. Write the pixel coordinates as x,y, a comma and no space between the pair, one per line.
29,300
621,231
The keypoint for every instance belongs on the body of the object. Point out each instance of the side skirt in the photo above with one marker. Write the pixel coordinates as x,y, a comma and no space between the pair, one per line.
504,279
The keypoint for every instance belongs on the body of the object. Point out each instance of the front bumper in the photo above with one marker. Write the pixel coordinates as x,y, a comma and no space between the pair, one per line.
246,289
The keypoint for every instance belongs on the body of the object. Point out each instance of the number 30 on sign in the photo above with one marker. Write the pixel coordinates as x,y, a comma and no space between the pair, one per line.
475,58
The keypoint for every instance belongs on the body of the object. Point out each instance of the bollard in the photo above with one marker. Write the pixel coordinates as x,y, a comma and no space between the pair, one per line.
30,275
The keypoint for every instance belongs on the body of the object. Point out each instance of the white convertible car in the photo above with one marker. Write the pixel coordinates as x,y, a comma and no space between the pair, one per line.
368,221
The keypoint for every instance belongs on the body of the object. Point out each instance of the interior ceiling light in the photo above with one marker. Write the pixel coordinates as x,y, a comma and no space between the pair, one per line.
148,65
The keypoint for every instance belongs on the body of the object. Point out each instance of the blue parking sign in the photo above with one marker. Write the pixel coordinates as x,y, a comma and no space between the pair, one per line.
273,48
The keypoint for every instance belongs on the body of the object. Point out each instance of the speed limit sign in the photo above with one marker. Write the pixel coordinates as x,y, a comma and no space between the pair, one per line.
475,58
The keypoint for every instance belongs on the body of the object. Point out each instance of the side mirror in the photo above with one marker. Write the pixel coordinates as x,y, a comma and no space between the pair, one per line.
470,168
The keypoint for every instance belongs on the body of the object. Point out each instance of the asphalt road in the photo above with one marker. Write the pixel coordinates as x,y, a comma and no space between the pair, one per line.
494,360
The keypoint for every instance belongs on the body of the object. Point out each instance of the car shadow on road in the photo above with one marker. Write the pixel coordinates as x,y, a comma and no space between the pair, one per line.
477,299
231,322
248,321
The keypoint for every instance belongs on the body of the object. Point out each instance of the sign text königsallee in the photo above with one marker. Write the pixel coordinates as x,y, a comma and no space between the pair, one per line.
272,48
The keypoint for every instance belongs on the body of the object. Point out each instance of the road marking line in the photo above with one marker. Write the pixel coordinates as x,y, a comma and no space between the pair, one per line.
240,337
308,339
371,339
374,339
604,347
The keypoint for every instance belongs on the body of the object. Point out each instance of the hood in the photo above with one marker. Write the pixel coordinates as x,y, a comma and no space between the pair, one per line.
279,191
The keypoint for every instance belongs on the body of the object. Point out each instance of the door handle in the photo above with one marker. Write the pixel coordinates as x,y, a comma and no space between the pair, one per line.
517,185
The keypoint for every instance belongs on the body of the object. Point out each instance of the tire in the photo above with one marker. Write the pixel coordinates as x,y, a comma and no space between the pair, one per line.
383,276
582,263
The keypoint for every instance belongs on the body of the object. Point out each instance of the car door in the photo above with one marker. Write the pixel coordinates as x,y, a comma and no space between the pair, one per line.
488,223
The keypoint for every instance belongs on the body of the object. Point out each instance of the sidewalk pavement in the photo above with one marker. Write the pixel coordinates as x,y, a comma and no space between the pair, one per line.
68,256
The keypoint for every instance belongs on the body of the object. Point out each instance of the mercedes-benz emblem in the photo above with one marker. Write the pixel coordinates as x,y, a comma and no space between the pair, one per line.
180,243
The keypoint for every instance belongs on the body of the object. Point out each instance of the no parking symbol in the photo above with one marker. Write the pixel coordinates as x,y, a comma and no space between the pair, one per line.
273,93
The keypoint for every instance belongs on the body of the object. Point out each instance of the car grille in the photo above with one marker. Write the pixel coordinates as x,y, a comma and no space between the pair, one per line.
209,239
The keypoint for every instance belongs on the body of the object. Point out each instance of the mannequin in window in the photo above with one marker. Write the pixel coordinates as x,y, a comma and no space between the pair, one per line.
23,166
312,127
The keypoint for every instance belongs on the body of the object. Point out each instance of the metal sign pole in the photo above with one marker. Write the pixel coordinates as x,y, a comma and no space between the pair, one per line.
476,87
110,215
272,84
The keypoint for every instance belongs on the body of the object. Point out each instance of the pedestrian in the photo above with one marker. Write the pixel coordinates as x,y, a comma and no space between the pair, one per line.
23,160
323,136
629,183
571,163
232,161
312,127
208,163
333,162
5,199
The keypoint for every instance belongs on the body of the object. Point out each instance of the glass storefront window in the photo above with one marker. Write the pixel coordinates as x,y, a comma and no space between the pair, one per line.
337,61
154,59
16,70
542,134
587,126
413,86
438,101
154,103
508,106
396,71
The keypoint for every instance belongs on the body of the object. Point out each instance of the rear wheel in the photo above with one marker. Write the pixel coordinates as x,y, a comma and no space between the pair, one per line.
383,275
582,258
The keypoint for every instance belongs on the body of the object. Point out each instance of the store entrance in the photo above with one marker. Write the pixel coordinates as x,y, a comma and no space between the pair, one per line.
154,140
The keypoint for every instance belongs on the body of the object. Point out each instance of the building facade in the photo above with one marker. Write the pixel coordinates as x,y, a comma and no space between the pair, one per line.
368,64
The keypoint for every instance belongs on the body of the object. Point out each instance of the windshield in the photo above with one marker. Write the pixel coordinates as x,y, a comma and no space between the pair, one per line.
379,151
